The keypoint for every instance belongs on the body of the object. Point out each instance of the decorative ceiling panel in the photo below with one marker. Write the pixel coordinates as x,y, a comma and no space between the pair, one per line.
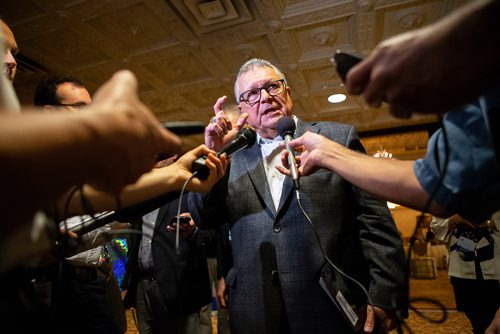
67,47
322,78
177,71
20,10
320,40
186,53
133,28
206,16
401,18
234,55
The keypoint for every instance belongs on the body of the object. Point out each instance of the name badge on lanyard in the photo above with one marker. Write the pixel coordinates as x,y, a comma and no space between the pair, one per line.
466,245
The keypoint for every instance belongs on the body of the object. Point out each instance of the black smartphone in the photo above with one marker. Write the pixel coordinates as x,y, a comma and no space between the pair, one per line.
344,62
183,220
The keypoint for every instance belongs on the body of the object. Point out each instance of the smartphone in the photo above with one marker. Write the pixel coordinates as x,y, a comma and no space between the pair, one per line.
344,62
183,220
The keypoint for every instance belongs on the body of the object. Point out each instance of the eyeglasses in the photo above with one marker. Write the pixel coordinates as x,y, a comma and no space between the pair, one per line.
273,88
74,105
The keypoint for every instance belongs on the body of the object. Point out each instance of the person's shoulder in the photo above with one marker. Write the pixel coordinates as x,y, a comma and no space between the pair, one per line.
329,126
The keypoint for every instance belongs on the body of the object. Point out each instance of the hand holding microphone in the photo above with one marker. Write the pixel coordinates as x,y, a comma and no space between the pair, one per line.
285,127
244,138
313,148
171,178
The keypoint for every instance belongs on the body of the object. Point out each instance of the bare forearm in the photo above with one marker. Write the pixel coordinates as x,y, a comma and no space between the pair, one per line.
56,155
391,180
150,185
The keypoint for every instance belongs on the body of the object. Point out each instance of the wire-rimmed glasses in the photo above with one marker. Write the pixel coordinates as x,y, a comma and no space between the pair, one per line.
272,88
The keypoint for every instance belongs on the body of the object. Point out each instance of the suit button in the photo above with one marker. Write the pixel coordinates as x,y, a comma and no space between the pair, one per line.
277,228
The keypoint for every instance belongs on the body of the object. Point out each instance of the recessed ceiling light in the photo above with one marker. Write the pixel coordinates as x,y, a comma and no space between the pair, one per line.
337,98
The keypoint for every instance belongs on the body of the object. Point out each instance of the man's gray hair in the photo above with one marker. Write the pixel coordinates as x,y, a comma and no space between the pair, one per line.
250,65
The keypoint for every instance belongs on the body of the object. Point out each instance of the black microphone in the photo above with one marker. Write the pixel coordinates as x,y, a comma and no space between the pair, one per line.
126,214
244,138
184,128
181,129
286,128
94,222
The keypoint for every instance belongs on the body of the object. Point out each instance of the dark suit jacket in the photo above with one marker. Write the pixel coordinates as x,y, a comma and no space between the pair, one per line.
276,255
182,278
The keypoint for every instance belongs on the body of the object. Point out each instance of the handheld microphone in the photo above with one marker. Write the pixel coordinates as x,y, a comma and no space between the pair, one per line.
286,128
244,138
184,128
181,129
126,214
92,223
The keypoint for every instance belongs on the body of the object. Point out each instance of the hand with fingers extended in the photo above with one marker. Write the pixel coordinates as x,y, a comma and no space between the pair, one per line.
134,136
224,125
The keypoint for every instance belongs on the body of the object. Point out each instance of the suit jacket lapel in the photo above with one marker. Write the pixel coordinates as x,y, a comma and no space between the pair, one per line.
303,127
252,162
161,215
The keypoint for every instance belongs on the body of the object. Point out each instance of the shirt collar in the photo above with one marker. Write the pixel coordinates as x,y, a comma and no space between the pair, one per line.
277,139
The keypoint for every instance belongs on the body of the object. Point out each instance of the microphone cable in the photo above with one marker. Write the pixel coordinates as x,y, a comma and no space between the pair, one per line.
427,205
178,222
64,238
320,244
442,173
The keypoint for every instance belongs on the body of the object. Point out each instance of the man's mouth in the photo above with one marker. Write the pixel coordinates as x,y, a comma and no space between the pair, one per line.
269,111
7,71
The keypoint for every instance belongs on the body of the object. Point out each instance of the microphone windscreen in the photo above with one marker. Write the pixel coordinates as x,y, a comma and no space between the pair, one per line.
249,134
285,126
244,139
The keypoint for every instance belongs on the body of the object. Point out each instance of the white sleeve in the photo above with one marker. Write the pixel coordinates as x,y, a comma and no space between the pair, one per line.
439,226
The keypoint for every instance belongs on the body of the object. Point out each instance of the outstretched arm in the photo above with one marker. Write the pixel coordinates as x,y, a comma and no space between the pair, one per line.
109,146
391,180
431,70
155,183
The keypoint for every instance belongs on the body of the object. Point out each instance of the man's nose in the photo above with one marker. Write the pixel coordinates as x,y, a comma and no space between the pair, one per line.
10,60
264,95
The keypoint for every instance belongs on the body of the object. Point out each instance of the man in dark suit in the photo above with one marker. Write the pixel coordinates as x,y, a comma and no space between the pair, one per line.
273,286
86,290
168,288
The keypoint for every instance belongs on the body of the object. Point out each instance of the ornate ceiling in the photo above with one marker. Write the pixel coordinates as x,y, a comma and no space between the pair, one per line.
186,53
